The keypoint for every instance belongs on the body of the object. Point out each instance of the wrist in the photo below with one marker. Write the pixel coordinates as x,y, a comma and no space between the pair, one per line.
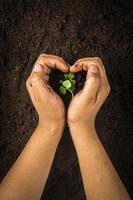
81,130
50,128
82,125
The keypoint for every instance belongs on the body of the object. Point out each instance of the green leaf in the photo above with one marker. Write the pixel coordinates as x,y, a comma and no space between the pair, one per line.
67,84
65,75
60,81
70,75
62,90
73,82
72,88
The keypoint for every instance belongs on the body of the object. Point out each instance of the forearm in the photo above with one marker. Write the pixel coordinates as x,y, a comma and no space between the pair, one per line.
27,177
100,179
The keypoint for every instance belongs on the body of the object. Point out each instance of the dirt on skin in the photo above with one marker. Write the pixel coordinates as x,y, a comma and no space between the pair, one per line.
72,30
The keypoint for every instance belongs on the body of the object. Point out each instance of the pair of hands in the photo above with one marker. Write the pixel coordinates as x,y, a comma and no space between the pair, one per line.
94,163
83,107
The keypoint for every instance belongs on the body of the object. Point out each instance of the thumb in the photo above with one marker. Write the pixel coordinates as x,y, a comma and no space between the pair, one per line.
92,82
41,71
39,78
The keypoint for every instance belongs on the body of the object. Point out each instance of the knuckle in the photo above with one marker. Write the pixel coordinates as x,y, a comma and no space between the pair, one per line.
98,59
41,58
95,62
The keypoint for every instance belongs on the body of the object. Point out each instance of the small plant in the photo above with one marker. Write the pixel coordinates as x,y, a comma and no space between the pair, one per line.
68,84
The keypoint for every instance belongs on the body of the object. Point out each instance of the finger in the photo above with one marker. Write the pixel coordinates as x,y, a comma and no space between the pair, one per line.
91,59
93,71
42,71
92,83
53,62
84,64
39,81
76,68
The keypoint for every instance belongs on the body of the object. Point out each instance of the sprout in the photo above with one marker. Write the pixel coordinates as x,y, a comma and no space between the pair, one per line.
68,84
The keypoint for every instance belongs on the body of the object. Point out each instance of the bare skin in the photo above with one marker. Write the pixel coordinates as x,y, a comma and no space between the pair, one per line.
27,177
101,181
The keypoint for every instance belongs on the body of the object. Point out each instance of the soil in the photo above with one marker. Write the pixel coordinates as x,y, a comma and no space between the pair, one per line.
72,30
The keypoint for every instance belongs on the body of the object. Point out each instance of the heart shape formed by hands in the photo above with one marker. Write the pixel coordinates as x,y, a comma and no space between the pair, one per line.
61,83
73,78
46,100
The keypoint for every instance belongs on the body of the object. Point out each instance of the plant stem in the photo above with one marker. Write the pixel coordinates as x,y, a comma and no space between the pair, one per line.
71,93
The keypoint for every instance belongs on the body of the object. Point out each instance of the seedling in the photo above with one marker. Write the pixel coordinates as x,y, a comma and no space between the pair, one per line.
68,84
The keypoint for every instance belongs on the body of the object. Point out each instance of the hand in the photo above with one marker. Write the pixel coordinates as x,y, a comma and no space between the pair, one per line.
85,105
47,103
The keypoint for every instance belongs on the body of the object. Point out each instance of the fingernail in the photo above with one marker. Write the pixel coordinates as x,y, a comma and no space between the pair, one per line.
93,68
37,68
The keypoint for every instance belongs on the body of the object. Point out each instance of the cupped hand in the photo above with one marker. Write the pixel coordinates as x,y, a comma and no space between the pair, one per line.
47,103
85,105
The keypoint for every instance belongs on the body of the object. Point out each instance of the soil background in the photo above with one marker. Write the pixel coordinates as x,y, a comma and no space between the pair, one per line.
72,30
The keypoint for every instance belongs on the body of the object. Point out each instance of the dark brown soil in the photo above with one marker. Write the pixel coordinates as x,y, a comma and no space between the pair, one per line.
71,29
